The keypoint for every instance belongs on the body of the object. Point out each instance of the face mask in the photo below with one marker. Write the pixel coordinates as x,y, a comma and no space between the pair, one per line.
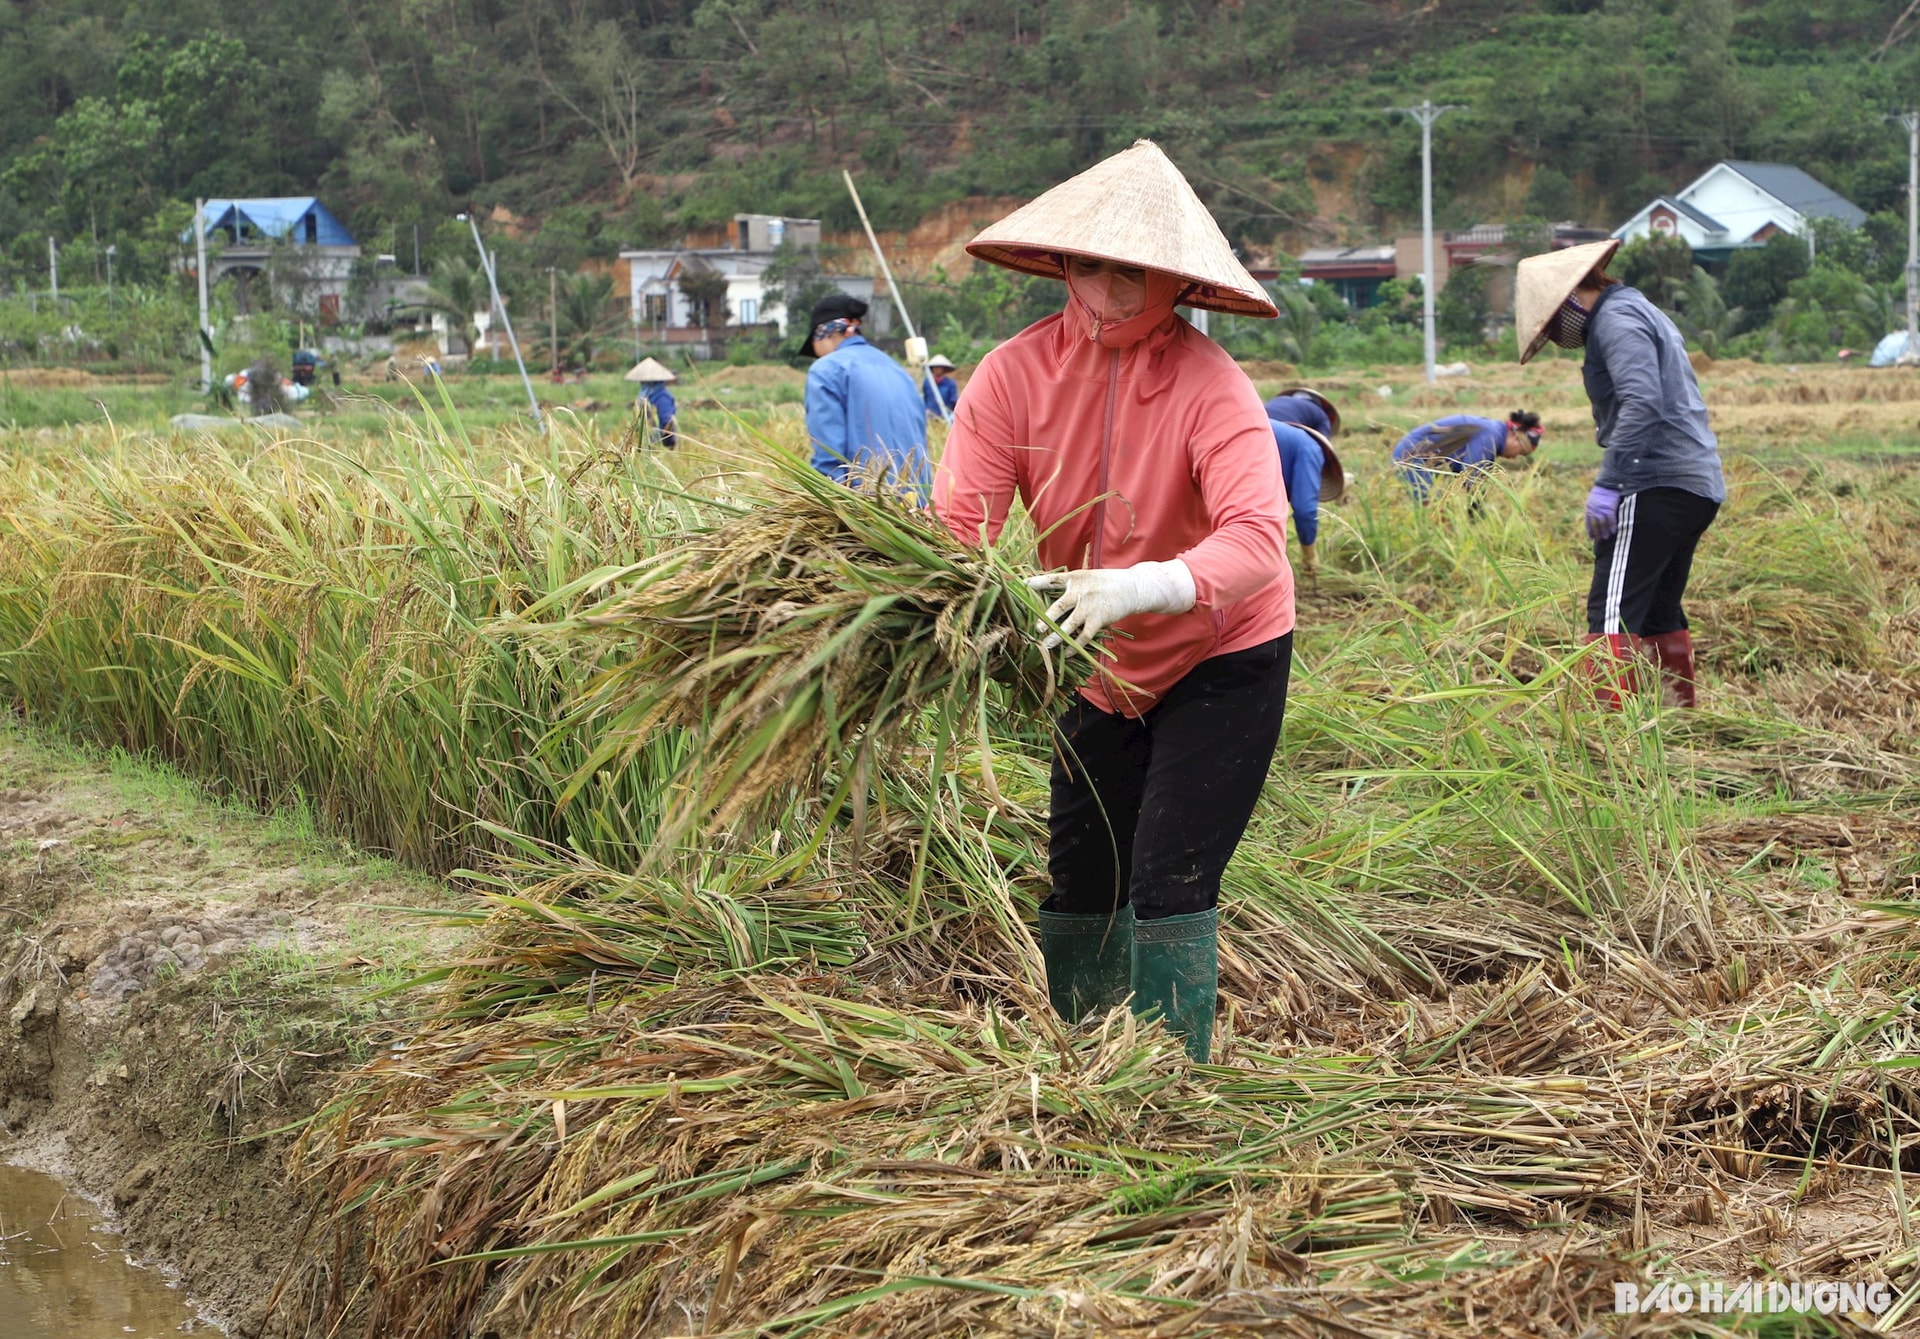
1109,296
1569,328
1122,309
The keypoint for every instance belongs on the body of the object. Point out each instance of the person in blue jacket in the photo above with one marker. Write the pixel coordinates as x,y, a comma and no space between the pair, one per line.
654,403
940,388
1312,474
864,414
1463,444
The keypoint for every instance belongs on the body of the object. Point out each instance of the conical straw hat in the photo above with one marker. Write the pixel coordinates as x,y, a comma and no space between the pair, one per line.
1546,281
1333,476
1134,208
650,369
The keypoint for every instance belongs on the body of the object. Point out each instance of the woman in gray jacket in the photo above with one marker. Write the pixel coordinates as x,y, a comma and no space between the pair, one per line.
1659,485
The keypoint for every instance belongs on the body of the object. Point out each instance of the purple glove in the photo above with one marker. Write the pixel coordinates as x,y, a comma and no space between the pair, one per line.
1603,512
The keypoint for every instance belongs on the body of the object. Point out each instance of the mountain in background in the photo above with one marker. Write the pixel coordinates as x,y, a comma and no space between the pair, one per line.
610,123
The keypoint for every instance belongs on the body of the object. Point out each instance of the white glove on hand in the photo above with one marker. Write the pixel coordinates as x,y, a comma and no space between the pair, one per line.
1094,598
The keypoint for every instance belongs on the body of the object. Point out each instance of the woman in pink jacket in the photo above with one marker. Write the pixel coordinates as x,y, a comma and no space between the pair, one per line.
1143,456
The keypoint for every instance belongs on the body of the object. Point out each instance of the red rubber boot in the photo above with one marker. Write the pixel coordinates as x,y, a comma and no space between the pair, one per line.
1674,652
1615,676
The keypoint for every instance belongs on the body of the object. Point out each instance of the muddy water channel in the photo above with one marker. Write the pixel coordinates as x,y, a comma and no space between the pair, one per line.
63,1275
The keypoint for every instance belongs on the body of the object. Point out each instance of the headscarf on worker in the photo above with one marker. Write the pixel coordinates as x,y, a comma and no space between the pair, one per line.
1463,444
654,402
864,415
1148,468
1660,484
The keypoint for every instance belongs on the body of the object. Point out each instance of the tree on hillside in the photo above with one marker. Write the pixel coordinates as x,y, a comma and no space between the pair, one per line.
605,87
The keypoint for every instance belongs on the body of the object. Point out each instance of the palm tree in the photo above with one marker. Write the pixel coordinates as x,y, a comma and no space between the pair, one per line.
457,290
1299,323
1704,316
583,314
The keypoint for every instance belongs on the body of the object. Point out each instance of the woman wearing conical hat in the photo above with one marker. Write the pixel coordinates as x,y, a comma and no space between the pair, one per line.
1660,484
1143,456
655,401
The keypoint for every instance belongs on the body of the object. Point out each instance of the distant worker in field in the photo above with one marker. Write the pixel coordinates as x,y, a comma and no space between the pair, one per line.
1464,444
1308,465
940,389
1147,466
1660,484
654,406
866,419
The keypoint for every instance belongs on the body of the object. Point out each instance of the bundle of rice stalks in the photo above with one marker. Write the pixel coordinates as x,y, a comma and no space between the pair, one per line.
803,639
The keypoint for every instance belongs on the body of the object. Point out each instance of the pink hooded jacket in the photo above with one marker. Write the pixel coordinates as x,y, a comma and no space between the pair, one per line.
1128,443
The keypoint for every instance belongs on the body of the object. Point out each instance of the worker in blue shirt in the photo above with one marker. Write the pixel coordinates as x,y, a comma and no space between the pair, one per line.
1312,474
654,404
1463,444
865,417
940,389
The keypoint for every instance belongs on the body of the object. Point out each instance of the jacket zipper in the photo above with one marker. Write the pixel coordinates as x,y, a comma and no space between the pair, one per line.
1106,459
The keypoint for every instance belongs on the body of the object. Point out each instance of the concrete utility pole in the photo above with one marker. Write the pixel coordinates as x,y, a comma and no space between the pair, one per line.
926,373
553,316
1911,120
1426,114
206,335
53,269
493,287
112,250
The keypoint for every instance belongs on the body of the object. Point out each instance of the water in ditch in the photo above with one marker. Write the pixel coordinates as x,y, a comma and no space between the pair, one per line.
65,1275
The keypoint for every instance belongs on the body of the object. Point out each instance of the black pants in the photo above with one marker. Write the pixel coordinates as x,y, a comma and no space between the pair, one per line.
1640,573
1150,810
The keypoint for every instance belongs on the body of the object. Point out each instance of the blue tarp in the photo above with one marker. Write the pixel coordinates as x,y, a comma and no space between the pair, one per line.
293,218
1888,350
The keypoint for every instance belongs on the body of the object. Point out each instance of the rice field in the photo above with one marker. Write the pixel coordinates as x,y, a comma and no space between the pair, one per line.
1518,1000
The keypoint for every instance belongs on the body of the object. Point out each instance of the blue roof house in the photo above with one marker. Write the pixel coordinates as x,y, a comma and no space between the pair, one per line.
306,255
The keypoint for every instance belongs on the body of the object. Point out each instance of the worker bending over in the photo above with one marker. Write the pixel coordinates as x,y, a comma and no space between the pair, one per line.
1143,458
1660,484
1463,444
1308,466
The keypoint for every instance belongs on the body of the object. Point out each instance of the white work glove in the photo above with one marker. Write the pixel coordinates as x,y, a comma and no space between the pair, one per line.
1095,598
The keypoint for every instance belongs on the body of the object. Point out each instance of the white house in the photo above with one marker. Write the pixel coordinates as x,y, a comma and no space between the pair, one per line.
1734,205
662,311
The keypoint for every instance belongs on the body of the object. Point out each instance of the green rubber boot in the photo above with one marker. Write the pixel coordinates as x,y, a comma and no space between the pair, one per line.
1176,974
1089,961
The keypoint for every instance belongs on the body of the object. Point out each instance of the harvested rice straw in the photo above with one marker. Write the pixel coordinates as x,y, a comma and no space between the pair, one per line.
797,639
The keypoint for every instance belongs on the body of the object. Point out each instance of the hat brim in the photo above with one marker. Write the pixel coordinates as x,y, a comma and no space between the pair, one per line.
1045,262
1326,405
1333,477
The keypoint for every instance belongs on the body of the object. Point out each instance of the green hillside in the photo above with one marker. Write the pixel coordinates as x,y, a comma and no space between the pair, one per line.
628,122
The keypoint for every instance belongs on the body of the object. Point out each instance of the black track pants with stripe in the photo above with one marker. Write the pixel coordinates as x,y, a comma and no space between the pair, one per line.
1640,574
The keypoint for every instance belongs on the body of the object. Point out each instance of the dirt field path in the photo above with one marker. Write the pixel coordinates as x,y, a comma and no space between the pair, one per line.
179,981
